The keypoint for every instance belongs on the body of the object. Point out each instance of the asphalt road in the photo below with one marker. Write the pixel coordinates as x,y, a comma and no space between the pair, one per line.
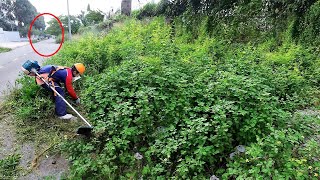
10,62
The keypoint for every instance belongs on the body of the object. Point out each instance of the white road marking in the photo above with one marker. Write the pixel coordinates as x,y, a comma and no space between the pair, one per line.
1,67
15,59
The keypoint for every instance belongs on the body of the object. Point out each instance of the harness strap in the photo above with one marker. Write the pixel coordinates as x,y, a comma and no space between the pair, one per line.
48,76
55,69
54,93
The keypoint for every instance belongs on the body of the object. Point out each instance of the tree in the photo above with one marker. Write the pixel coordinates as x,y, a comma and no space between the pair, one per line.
94,17
21,11
39,23
25,12
74,21
6,15
82,18
54,27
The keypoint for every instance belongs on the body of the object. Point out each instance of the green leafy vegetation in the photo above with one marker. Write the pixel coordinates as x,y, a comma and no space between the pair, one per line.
21,12
102,28
243,21
311,25
24,12
82,22
4,49
194,97
59,38
7,15
183,107
55,29
93,17
90,17
149,10
9,167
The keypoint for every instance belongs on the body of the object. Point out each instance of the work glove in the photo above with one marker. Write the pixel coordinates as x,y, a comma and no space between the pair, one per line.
78,101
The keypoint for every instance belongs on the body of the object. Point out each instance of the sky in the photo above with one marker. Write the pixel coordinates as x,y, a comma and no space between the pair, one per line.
59,7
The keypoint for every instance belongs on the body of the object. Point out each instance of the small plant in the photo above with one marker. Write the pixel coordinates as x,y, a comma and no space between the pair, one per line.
9,167
59,38
282,154
4,49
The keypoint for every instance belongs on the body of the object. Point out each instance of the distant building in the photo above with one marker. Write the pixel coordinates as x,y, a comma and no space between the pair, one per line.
9,36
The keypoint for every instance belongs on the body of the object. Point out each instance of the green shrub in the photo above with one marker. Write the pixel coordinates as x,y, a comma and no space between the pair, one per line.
59,38
284,154
85,29
28,109
166,105
8,167
118,17
94,17
311,25
182,106
104,26
148,10
4,49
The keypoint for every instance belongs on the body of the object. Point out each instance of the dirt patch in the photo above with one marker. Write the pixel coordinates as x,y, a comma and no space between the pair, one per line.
53,166
27,151
8,140
50,166
309,112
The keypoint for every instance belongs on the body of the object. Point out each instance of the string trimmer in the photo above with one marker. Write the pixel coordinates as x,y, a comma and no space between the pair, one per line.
30,68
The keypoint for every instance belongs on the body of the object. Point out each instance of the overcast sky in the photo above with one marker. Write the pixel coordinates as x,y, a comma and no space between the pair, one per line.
59,7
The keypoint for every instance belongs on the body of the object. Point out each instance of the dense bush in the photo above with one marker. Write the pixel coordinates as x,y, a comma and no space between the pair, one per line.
311,26
284,154
149,10
167,104
183,107
85,29
94,17
102,27
105,25
59,38
244,21
24,98
97,29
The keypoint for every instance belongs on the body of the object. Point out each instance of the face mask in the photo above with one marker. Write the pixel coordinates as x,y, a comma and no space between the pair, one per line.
76,78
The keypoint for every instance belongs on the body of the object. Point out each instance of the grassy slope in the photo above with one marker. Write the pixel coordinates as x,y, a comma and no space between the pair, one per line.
138,59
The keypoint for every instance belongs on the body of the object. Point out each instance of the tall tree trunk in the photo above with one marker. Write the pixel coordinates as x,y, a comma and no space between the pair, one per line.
126,7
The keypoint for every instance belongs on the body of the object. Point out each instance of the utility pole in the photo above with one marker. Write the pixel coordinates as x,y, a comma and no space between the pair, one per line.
69,24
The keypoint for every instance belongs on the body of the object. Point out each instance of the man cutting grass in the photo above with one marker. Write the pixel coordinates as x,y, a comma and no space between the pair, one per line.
56,75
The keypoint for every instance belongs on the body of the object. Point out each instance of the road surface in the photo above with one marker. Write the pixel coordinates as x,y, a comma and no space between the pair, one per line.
13,45
10,62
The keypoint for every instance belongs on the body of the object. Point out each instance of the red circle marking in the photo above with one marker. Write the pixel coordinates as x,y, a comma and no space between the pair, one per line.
30,29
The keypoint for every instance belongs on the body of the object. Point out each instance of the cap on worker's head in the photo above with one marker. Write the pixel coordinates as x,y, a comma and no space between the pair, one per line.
80,68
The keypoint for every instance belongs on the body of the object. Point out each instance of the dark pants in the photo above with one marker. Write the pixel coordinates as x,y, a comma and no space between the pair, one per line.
61,107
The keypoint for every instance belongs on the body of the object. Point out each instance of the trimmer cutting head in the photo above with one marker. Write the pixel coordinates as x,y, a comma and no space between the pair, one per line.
85,130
